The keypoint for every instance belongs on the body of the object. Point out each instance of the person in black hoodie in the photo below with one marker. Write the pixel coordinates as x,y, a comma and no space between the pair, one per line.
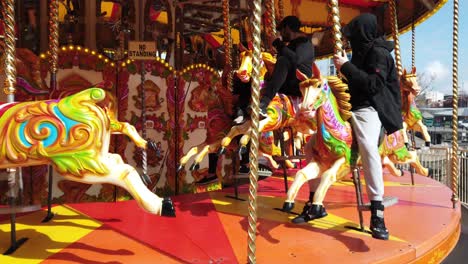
295,51
376,102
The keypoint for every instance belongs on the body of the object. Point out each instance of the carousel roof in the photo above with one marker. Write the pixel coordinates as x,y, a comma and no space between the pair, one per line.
206,15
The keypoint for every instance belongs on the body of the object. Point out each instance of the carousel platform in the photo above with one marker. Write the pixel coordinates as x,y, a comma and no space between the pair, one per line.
212,228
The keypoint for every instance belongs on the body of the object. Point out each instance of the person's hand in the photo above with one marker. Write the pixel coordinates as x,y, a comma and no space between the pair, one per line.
339,59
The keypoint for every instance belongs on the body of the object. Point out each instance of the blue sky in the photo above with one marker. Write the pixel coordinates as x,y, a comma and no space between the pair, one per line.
434,46
434,39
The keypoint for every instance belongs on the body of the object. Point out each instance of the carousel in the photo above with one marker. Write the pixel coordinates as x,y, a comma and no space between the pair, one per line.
119,144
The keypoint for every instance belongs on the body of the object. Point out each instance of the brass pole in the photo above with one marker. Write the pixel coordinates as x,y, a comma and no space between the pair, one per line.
53,42
53,67
271,21
253,175
394,22
227,44
413,45
280,10
455,172
334,20
10,49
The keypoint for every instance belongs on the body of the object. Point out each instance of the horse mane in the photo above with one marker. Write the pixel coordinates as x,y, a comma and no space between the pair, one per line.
404,78
340,91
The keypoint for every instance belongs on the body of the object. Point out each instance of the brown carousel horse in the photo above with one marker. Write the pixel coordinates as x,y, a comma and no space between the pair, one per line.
328,109
219,123
412,117
281,110
73,134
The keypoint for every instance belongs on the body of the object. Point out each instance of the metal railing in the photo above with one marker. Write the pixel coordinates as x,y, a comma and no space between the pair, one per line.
438,161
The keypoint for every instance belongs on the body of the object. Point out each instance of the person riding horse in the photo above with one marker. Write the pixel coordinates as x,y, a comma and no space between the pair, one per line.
298,54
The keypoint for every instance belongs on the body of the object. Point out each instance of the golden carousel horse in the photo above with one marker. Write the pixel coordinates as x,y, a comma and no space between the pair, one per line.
73,134
412,117
219,130
328,109
281,110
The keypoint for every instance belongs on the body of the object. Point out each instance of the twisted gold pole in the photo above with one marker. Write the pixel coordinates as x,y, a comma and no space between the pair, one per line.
227,44
280,10
10,49
252,229
334,21
455,171
53,35
270,21
413,45
394,22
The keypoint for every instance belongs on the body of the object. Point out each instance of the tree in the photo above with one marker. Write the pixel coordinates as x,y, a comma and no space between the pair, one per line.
425,81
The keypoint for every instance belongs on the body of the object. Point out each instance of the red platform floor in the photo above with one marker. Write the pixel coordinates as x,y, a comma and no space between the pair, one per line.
212,228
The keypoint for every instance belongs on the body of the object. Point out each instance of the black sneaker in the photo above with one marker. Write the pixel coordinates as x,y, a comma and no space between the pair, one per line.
239,120
377,223
309,213
262,114
378,229
240,117
244,169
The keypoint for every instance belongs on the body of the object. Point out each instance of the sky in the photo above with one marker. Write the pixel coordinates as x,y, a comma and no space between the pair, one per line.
434,46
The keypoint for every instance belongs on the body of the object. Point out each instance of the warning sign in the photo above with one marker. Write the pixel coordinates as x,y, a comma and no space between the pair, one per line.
141,50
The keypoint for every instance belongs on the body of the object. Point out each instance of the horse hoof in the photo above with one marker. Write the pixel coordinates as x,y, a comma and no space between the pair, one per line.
402,172
221,151
427,143
243,150
167,208
146,179
194,167
180,167
288,206
151,144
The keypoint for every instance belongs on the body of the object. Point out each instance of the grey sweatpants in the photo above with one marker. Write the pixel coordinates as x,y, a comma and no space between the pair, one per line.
366,127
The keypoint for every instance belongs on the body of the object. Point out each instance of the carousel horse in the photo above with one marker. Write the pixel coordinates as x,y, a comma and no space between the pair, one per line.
281,110
73,133
218,124
412,117
327,109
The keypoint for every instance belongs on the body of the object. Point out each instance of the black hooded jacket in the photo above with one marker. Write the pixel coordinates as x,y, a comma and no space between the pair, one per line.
371,74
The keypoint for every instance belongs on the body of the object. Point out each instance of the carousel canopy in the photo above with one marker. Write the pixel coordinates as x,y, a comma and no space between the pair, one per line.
206,16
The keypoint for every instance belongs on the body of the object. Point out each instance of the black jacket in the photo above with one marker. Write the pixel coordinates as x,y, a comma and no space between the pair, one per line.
300,55
371,74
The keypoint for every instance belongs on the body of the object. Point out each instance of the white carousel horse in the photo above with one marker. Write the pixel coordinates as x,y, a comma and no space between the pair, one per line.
73,135
328,109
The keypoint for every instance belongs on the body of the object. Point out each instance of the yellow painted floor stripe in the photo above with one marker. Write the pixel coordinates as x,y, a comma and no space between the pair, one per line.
386,183
45,239
265,210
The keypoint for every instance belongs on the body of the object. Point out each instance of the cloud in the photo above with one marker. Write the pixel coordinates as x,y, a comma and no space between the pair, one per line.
441,75
438,70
